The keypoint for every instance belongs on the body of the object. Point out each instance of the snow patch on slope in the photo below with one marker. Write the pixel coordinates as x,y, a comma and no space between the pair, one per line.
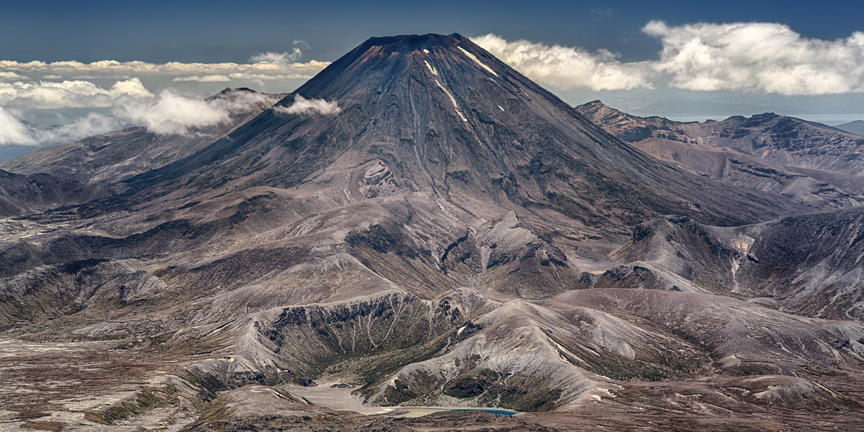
452,99
305,106
476,60
431,69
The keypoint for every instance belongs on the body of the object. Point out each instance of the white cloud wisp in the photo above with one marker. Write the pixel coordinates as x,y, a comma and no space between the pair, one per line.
758,57
173,114
13,131
56,84
117,68
568,67
168,113
303,106
287,57
68,94
751,57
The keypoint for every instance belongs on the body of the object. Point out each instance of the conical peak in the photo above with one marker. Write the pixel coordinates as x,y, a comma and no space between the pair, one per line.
445,116
382,60
405,43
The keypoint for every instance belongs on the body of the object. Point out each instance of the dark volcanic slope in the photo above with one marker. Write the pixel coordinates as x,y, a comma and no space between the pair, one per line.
22,193
443,115
804,161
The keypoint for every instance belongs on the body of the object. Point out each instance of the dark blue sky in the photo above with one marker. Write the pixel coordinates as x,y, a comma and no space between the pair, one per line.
217,30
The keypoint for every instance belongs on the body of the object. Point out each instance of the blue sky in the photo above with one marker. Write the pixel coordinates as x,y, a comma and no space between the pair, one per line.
681,59
219,30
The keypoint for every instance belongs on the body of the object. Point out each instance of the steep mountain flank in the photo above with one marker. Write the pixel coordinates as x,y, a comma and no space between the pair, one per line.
444,117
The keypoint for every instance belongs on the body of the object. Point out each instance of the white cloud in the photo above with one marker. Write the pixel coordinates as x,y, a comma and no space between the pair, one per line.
742,57
277,57
68,94
12,131
282,58
240,101
89,125
267,76
274,69
304,106
131,87
9,76
167,114
173,114
203,78
118,88
62,68
568,67
758,57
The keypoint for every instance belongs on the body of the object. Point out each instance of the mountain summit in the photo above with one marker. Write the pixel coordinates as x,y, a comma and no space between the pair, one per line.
439,114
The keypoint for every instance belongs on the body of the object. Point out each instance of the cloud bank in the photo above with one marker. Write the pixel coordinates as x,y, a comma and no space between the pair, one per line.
568,67
203,78
61,68
758,57
266,67
118,99
173,114
68,94
744,57
167,113
89,125
10,76
14,131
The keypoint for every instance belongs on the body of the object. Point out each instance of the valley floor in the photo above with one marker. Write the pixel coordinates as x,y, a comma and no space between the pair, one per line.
123,385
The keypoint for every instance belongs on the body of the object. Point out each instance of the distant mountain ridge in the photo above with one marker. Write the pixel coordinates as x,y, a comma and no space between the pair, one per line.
805,161
855,126
784,140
